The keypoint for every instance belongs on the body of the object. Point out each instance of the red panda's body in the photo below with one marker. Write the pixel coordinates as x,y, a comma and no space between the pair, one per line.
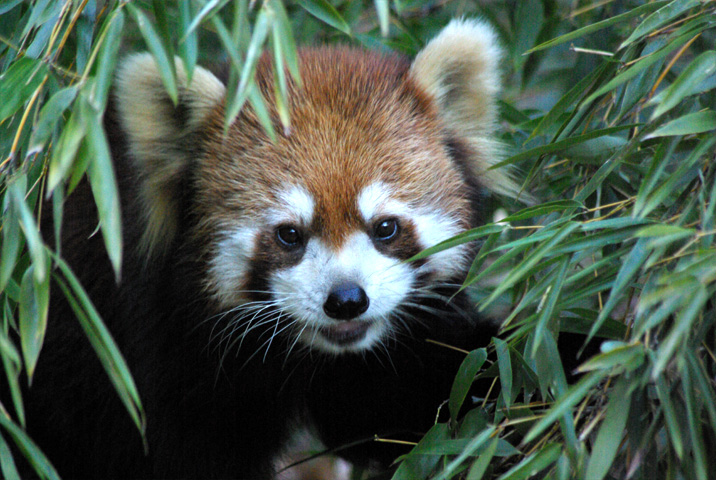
265,283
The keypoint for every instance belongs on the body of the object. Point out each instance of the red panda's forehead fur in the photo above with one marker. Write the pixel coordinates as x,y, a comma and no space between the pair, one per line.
358,119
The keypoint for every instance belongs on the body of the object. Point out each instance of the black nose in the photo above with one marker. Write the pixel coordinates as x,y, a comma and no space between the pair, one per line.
346,301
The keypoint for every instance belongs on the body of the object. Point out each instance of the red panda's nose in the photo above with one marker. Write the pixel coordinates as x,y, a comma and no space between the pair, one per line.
346,301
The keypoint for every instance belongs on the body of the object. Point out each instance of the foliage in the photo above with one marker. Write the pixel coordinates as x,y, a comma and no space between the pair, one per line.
608,114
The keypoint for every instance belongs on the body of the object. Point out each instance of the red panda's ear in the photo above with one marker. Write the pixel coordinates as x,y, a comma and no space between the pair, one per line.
460,70
159,136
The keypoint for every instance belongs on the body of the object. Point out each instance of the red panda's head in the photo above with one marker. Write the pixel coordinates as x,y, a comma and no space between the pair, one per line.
309,234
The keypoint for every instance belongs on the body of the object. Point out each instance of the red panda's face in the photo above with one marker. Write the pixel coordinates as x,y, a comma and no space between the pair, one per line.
308,236
316,228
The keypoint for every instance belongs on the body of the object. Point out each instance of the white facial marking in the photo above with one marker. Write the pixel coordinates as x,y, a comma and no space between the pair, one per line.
376,199
302,289
431,224
294,205
230,264
433,228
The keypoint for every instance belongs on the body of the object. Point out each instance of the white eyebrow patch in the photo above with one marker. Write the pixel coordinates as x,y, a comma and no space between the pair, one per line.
294,204
376,199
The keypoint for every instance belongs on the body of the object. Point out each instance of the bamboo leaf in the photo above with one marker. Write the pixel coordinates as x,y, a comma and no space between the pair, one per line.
505,366
16,191
697,122
102,342
595,27
534,463
111,40
464,378
469,449
32,453
639,66
564,404
49,116
163,58
324,11
34,304
611,432
104,187
189,44
665,14
18,83
383,10
63,155
686,84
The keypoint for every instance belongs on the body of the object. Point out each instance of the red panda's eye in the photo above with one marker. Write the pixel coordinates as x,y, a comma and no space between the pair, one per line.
385,229
289,236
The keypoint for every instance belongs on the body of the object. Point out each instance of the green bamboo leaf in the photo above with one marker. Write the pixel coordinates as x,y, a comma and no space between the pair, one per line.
505,367
102,342
155,44
383,10
639,66
564,404
288,43
419,466
703,385
595,27
279,71
478,469
63,155
12,361
672,421
111,40
632,263
30,451
628,357
697,122
16,191
324,11
687,83
531,260
9,5
561,145
555,282
246,88
11,243
7,463
692,307
657,19
189,44
667,186
464,378
542,209
478,441
18,83
104,186
34,304
611,432
692,400
567,99
207,11
662,230
49,116
460,239
535,463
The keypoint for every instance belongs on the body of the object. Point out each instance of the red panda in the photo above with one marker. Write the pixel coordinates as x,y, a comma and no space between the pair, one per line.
266,282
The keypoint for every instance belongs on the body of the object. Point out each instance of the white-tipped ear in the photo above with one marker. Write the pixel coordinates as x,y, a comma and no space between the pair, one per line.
460,69
159,136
